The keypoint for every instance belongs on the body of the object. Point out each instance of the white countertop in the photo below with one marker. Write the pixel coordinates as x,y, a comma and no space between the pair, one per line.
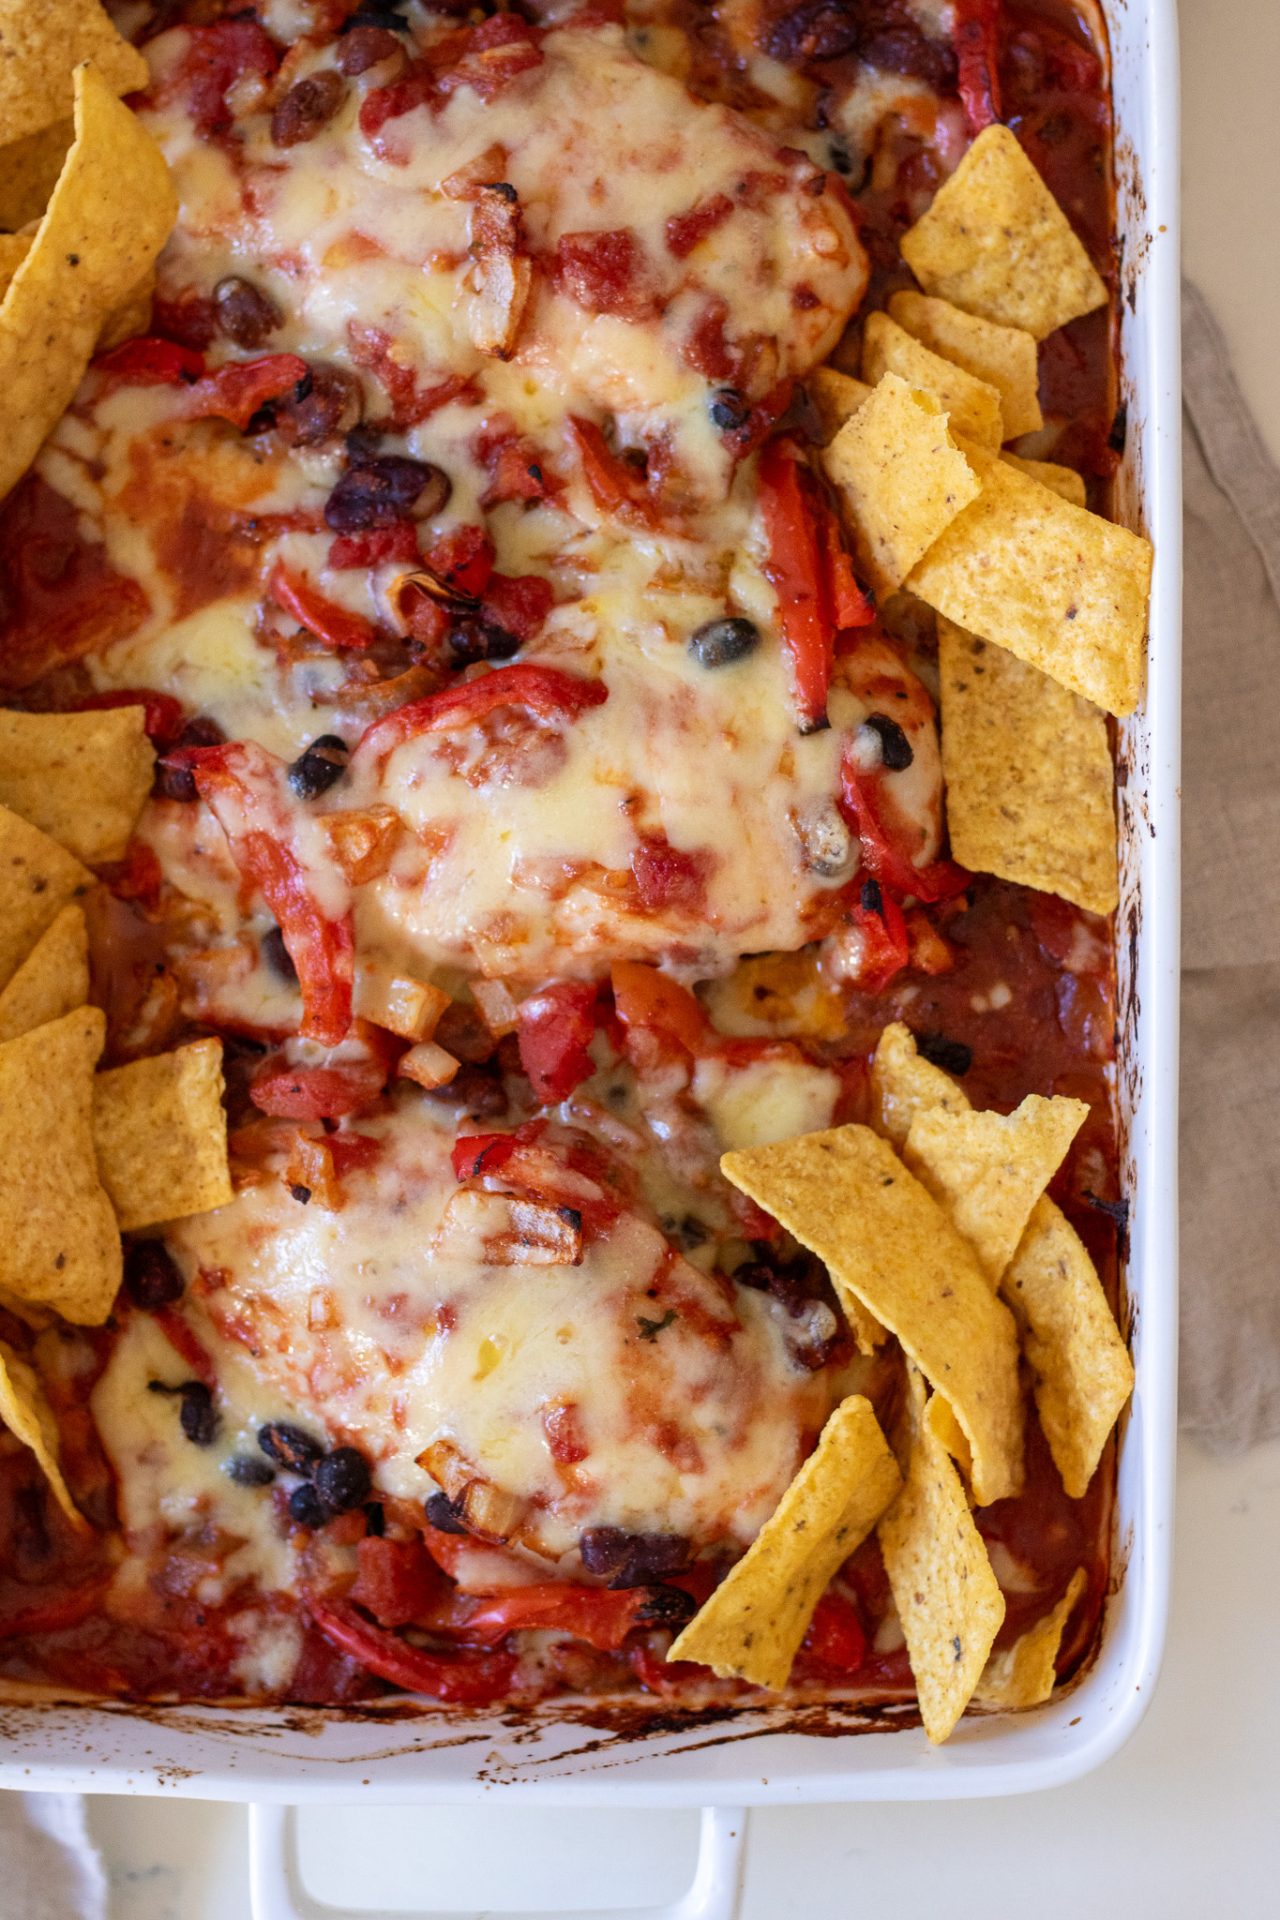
1184,1821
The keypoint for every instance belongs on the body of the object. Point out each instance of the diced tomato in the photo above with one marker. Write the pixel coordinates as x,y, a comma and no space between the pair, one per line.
188,1347
374,350
515,473
885,949
614,485
415,88
316,1093
486,57
605,272
215,58
544,691
139,876
556,1028
397,1581
463,1678
685,231
598,1615
835,1638
148,361
477,1153
377,547
562,1428
463,559
187,316
235,391
334,625
520,603
669,877
163,715
975,37
706,348
644,997
352,1152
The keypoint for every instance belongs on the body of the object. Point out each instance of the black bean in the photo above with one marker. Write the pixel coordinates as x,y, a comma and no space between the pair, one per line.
248,1472
720,642
331,407
896,751
299,1193
666,1607
197,1414
152,1277
385,489
342,1479
368,44
306,1506
472,639
290,1447
375,1520
442,1513
245,313
871,897
632,1559
176,782
729,409
319,767
905,49
307,107
953,1056
1116,1210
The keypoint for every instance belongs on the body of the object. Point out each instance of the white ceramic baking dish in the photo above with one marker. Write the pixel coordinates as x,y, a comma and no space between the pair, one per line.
275,1758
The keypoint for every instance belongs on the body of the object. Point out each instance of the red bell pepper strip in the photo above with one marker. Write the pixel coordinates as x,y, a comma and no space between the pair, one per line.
544,691
598,1615
462,1678
614,486
335,626
242,785
976,39
835,1639
235,391
556,1028
884,856
463,559
850,606
162,714
886,949
376,547
148,361
812,575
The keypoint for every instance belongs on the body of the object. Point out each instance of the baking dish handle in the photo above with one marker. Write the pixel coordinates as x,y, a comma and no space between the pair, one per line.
276,1891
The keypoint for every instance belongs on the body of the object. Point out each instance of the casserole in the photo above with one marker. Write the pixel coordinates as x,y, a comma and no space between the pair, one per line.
559,1752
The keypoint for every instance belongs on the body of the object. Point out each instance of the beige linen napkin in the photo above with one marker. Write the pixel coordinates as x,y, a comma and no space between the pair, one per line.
1230,1126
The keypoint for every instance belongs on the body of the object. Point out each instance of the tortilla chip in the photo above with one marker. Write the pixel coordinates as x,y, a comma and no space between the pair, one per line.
1028,774
39,46
1001,357
59,1242
1061,588
1024,1674
987,1170
29,1418
81,778
901,479
948,1599
132,317
29,170
1083,1373
972,405
110,214
836,397
1064,481
752,1625
161,1135
14,248
846,1196
37,879
904,1083
996,242
52,980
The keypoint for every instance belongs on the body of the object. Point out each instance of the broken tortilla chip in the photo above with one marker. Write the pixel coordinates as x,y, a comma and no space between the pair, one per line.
1028,774
37,879
1064,481
752,1625
904,1083
900,477
836,397
26,1412
1061,588
846,1196
110,214
996,242
1083,1373
161,1135
1024,1674
39,47
987,1170
972,405
59,1242
81,778
52,980
947,1596
29,170
1002,357
14,248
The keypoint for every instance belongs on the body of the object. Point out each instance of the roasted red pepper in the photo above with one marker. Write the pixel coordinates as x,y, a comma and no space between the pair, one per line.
812,575
463,559
614,485
463,1678
556,1028
235,391
597,1615
975,37
544,691
645,998
147,361
477,1153
836,1640
397,1581
316,1093
162,714
885,947
519,602
376,547
335,626
885,855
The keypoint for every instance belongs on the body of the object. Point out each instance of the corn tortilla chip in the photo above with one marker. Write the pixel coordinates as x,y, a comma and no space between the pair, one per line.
1028,774
904,1083
846,1196
948,1599
14,248
1064,481
109,216
59,1242
1061,588
161,1135
1024,1674
37,879
52,980
836,397
39,47
81,778
900,477
752,1625
1083,1373
1003,357
996,242
29,170
972,405
987,1170
29,1417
